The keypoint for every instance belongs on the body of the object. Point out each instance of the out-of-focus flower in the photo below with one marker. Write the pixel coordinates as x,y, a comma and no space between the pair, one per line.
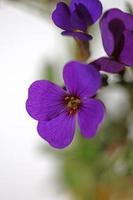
117,35
56,109
76,18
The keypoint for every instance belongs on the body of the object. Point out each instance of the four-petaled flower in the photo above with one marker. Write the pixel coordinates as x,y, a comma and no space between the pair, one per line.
117,35
56,109
76,18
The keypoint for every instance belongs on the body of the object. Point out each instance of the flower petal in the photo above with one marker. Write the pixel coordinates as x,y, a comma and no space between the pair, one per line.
77,35
81,79
80,18
107,36
61,16
94,7
126,55
108,65
112,25
45,100
58,132
90,116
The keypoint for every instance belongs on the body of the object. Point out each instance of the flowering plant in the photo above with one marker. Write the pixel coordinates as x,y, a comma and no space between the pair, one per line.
56,109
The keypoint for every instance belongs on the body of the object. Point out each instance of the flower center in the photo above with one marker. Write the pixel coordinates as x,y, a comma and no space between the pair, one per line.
73,104
78,31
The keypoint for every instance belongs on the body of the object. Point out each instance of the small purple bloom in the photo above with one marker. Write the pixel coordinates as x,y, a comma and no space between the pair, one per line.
57,109
117,36
77,17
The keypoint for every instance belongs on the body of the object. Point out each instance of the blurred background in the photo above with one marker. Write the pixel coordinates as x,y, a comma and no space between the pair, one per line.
32,48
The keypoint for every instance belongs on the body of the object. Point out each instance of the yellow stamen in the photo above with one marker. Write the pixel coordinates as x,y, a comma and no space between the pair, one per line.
73,103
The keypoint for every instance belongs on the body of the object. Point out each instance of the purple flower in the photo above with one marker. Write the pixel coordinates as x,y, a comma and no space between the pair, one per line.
57,109
76,18
117,35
